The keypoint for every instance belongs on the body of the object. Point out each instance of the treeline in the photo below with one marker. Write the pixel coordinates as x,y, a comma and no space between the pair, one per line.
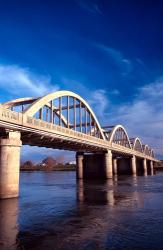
160,164
47,164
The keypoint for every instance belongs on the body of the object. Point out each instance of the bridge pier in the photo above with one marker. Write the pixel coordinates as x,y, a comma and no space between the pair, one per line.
145,166
133,165
79,165
108,166
9,165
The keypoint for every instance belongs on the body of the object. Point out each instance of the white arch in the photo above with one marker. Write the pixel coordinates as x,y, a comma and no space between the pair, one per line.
39,103
144,149
152,153
29,100
134,143
114,131
19,101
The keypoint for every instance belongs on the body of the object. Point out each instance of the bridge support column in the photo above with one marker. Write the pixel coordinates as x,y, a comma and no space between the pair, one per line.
115,166
151,167
133,165
145,166
9,165
79,165
108,171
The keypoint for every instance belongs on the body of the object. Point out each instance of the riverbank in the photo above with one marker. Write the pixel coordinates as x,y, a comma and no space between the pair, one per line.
59,167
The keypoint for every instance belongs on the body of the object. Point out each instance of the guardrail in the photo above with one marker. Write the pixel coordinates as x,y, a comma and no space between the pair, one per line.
10,116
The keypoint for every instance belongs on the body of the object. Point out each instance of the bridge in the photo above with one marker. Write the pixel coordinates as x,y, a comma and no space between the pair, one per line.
64,120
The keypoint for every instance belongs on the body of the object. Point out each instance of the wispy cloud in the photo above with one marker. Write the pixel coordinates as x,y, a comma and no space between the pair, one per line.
144,115
118,59
98,99
21,82
91,6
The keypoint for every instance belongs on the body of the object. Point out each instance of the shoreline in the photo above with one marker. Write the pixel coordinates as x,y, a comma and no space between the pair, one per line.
47,169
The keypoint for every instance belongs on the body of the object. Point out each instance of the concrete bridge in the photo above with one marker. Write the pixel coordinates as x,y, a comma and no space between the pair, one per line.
64,120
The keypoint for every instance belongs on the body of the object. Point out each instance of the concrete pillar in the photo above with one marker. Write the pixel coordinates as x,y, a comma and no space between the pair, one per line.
133,165
9,165
108,171
79,165
145,166
151,167
115,166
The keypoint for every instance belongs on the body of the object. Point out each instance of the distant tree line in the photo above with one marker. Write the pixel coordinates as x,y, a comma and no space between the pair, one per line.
49,163
160,163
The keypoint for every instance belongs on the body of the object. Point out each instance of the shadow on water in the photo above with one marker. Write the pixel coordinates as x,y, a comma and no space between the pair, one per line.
54,212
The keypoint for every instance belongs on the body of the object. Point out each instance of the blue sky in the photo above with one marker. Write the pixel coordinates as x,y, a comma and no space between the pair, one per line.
109,52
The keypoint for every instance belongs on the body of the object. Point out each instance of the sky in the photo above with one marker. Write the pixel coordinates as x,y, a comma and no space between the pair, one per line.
108,51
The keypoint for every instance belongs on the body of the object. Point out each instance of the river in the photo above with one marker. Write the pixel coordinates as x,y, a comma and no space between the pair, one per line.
55,212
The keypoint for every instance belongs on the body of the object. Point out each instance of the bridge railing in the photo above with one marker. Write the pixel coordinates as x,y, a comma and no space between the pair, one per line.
17,118
43,125
46,126
10,116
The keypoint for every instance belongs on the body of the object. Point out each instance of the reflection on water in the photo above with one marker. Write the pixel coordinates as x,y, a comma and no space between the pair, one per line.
8,223
55,212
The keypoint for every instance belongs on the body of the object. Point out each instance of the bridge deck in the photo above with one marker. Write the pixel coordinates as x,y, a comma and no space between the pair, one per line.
36,132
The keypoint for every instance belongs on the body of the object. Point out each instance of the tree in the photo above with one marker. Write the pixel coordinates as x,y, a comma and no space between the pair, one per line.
28,164
60,159
49,162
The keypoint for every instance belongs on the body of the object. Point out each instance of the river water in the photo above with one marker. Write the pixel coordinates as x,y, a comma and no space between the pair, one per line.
55,212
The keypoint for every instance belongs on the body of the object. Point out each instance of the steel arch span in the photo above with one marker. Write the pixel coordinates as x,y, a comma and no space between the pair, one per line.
136,144
87,121
64,120
69,110
118,135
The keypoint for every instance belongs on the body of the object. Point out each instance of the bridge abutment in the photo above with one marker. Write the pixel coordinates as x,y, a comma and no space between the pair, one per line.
9,165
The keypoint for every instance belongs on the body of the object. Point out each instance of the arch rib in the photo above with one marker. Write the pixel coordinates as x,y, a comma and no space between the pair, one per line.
115,128
139,141
152,153
19,101
146,149
39,103
30,100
